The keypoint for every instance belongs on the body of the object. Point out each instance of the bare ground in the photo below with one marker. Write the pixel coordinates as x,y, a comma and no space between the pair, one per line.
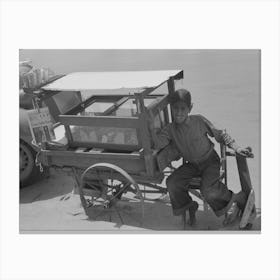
51,206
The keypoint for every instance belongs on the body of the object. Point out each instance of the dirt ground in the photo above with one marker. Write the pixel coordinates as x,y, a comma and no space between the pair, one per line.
50,205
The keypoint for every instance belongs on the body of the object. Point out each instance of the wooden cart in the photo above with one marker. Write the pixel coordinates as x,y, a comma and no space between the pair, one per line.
108,146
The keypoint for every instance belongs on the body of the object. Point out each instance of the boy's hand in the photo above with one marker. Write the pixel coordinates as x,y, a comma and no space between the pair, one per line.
246,152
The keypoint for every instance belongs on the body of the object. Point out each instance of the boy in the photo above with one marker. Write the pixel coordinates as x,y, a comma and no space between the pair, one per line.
189,134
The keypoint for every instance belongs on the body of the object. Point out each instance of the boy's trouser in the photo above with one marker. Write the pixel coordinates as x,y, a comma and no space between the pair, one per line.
214,192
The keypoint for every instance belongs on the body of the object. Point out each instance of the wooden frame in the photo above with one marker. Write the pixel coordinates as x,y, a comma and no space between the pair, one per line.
133,163
119,154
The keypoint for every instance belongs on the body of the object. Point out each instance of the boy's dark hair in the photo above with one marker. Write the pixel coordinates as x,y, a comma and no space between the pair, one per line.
180,95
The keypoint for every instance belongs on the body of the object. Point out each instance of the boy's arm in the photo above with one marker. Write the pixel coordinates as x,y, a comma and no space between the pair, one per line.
160,139
222,137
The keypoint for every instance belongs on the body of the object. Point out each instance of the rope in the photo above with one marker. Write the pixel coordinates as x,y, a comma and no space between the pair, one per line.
37,162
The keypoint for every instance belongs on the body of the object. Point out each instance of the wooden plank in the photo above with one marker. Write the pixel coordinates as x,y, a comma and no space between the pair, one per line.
105,146
89,101
117,80
147,91
145,134
158,104
166,115
68,134
100,156
178,76
106,97
133,164
160,118
115,106
244,174
224,161
171,90
144,177
150,167
135,153
80,107
103,121
171,85
54,111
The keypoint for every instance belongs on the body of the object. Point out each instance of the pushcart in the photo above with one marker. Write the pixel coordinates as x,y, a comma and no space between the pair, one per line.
105,142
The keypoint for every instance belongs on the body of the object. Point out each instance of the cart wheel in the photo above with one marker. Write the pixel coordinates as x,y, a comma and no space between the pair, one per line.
106,189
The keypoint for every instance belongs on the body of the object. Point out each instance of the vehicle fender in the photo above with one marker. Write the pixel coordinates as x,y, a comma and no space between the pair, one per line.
24,130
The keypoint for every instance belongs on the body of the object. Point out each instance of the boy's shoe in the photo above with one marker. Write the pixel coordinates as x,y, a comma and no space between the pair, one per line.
193,206
232,215
192,210
248,215
241,198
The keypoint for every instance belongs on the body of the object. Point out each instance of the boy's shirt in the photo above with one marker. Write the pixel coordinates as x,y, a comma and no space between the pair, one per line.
191,138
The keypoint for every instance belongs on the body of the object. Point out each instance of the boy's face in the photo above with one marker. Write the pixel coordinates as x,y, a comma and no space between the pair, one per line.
180,111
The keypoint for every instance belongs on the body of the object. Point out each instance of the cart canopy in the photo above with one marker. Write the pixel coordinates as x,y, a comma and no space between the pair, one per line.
138,80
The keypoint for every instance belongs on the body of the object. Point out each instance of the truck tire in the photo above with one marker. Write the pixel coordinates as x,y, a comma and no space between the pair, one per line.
29,172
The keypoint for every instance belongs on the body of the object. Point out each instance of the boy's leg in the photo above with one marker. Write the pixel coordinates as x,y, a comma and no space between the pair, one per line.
217,195
177,187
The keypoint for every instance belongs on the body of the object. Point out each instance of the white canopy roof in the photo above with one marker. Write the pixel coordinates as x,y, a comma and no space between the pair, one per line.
82,81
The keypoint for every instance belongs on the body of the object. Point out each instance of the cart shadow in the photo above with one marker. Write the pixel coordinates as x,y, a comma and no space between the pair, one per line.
158,217
54,186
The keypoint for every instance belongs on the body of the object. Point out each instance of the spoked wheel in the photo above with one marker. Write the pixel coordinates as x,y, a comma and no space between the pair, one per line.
106,189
